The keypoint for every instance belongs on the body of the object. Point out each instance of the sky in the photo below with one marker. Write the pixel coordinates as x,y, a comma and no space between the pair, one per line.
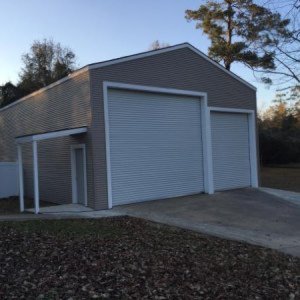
98,30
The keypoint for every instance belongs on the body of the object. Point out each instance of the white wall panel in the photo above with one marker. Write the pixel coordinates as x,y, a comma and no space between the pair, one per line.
230,149
8,179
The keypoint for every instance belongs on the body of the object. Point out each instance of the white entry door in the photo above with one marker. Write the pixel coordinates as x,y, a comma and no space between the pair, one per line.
79,175
155,146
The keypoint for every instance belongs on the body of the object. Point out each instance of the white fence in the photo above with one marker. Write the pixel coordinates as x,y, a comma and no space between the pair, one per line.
8,179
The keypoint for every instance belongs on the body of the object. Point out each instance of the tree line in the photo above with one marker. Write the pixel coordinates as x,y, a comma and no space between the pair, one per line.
279,132
45,63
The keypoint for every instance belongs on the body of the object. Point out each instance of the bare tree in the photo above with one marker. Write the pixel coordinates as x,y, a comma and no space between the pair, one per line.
158,45
287,50
287,56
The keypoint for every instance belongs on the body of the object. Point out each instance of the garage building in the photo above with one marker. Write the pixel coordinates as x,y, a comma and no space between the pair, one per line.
155,125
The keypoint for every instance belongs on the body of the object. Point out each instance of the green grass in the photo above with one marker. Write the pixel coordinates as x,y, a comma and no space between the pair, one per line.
281,177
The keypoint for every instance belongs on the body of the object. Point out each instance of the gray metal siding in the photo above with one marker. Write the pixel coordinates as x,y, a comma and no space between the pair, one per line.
68,105
155,146
230,149
64,106
179,69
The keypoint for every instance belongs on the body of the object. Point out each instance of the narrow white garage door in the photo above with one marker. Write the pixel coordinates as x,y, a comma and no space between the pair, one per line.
230,147
155,146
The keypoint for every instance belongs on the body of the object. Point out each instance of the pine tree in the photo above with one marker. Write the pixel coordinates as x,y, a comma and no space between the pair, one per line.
240,31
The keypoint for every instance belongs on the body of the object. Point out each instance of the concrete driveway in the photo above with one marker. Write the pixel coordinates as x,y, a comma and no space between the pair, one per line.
248,215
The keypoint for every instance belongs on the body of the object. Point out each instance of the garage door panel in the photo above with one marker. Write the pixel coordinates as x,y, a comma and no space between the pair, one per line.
230,144
156,146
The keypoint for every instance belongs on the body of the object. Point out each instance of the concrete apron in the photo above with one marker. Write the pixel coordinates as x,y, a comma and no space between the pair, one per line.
272,241
177,213
286,243
63,208
292,197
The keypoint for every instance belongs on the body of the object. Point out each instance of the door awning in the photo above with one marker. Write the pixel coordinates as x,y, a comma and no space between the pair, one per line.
34,138
49,135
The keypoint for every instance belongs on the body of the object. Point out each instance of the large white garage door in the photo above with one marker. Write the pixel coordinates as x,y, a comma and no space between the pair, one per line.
230,148
155,146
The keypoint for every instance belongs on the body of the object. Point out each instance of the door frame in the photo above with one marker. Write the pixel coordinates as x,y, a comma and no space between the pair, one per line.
73,172
252,138
205,128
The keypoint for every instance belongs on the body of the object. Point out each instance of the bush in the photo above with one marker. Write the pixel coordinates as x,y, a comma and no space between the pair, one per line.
278,149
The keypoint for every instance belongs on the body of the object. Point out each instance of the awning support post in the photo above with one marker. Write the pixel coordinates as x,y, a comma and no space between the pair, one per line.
36,178
21,182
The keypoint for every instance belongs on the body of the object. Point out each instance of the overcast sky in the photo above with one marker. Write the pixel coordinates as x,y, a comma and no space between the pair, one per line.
98,30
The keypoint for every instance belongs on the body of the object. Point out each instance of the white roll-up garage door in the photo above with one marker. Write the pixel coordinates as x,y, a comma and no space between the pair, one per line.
230,148
155,146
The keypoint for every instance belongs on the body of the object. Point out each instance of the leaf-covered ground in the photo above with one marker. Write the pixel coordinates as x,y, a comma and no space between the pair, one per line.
131,258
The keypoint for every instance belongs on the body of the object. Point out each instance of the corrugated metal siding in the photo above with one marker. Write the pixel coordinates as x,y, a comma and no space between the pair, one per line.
64,106
180,69
55,183
230,148
156,146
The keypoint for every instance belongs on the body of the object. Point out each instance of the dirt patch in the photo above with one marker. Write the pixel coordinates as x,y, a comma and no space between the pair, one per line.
12,206
131,258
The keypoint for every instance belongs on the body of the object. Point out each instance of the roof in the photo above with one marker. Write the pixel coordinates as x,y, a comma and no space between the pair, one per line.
133,57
